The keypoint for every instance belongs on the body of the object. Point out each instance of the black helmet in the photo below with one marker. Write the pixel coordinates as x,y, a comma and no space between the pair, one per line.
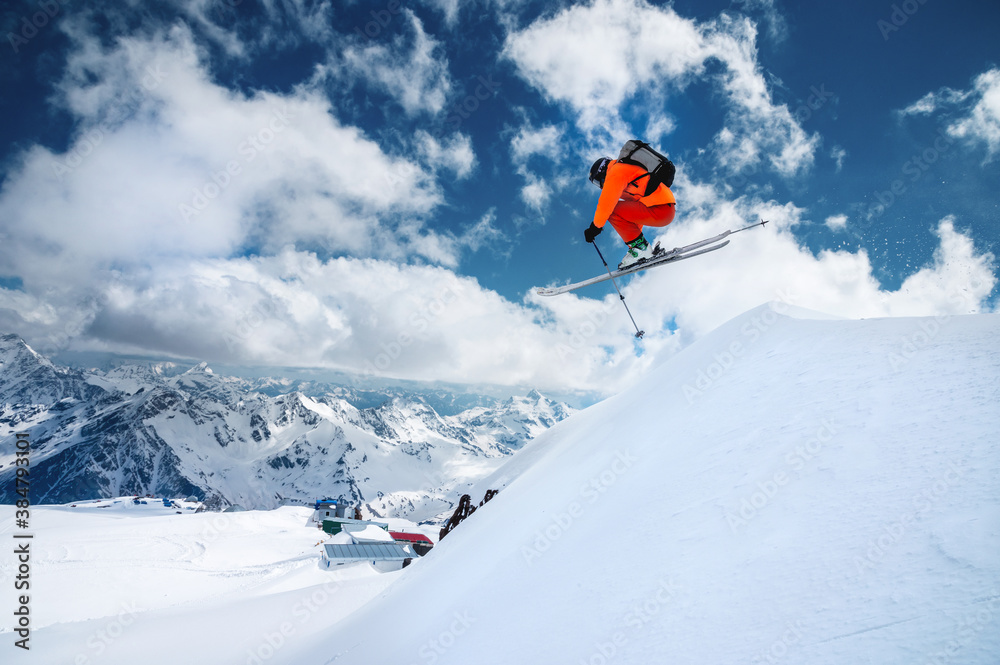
599,170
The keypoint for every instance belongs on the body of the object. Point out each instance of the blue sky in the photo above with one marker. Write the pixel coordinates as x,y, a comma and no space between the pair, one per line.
376,187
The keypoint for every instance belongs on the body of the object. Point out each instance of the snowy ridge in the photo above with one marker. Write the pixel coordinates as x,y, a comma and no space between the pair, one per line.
166,431
804,491
828,493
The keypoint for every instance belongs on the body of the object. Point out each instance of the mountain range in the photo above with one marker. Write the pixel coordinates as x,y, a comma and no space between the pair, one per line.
167,430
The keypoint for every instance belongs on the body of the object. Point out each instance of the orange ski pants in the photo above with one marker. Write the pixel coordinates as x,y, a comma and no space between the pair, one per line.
629,217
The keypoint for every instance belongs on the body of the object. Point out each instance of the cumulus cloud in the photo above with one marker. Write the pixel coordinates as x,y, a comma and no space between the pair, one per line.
166,162
416,74
364,316
449,9
777,26
659,127
530,141
838,154
546,143
836,222
766,264
594,58
453,154
974,114
168,167
982,124
258,228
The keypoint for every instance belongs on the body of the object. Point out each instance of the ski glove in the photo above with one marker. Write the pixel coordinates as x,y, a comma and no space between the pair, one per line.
592,232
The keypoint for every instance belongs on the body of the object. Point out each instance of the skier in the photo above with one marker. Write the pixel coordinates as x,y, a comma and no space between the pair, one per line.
624,204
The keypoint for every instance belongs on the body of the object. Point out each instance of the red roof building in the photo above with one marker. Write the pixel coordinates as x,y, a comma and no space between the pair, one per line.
421,543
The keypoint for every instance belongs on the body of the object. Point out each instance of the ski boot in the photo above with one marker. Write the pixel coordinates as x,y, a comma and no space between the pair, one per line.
638,251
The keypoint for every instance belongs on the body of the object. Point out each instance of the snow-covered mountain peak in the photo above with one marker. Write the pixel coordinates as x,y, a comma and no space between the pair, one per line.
146,428
200,368
17,356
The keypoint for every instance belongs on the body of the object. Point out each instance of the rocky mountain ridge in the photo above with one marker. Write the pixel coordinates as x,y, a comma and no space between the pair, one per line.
162,430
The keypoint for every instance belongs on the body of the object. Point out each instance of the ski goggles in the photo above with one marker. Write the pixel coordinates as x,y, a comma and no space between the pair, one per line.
597,175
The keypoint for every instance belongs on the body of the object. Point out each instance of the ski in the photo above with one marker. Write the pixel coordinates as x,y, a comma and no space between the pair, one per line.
672,256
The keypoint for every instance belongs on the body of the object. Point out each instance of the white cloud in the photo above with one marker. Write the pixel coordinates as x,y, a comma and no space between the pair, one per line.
356,315
658,128
484,233
545,142
448,8
536,192
530,141
972,114
313,251
836,222
933,101
768,264
415,74
167,164
982,124
777,26
594,58
427,323
454,154
957,282
762,126
838,154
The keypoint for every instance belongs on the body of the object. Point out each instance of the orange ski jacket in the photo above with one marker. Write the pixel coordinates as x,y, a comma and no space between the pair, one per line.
616,186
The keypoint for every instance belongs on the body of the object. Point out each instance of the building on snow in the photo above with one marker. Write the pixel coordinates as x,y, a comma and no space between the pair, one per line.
421,544
371,544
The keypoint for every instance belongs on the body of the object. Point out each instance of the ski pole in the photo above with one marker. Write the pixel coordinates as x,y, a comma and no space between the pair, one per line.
762,222
638,333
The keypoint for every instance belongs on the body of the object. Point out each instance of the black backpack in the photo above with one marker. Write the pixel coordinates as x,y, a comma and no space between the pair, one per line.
658,168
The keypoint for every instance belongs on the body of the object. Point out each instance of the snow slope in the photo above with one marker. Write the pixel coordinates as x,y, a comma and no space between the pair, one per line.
800,490
788,489
115,582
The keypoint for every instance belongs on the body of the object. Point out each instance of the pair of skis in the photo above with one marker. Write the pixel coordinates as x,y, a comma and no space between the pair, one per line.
677,254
